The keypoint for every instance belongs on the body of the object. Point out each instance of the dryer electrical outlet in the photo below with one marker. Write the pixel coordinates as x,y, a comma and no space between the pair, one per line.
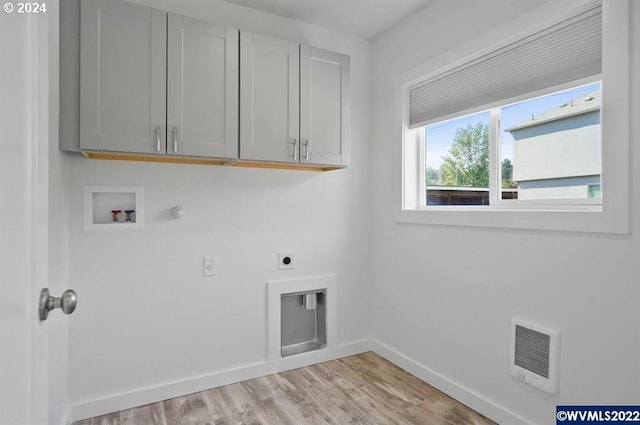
286,261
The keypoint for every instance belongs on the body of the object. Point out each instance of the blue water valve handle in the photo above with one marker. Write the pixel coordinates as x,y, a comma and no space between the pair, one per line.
128,213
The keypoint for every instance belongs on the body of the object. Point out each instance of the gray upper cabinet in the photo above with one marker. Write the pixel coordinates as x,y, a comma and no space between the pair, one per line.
324,106
294,102
202,88
122,77
269,98
172,88
156,83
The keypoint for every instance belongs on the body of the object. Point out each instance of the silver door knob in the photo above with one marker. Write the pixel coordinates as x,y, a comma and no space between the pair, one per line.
67,302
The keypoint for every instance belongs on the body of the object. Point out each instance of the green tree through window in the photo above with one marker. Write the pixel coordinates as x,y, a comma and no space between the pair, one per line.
507,173
467,163
433,177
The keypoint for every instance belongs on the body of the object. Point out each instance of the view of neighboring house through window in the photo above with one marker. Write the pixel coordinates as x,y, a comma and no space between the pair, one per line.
547,148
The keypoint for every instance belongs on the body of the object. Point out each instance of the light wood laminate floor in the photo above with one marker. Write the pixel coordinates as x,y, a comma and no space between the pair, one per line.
361,389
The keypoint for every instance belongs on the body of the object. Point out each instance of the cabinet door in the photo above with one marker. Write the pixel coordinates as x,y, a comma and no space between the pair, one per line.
202,88
122,77
269,98
324,106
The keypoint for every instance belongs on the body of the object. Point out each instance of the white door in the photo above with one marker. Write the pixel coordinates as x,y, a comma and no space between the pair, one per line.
324,106
269,98
122,77
202,88
24,125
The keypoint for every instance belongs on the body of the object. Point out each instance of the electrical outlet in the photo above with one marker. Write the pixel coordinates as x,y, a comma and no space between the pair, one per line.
209,266
286,261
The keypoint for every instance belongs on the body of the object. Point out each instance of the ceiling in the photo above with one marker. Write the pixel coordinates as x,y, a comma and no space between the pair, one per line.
365,18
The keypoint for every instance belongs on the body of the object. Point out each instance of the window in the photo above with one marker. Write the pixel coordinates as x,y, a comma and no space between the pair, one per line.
514,135
547,148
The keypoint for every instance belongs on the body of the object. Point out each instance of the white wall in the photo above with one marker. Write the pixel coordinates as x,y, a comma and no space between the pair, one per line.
444,296
146,316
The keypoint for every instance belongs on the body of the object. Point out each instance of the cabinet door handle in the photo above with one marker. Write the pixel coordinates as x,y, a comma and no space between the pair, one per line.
158,138
306,150
175,139
294,142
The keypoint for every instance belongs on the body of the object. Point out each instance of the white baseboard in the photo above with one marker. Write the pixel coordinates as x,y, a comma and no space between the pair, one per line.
66,416
142,396
468,397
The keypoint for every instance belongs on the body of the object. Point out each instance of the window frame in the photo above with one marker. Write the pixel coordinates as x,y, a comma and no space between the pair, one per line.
610,214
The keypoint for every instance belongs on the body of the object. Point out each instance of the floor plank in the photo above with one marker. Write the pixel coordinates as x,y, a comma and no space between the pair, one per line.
358,390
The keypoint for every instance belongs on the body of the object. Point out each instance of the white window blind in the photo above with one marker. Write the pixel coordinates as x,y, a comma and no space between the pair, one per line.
561,53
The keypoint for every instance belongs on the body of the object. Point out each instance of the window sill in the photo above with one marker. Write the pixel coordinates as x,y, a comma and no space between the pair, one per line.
521,206
587,219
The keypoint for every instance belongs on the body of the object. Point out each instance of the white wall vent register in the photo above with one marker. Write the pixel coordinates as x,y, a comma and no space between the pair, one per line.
534,355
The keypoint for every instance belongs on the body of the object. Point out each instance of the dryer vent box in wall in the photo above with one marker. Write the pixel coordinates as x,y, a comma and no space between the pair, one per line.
303,322
535,355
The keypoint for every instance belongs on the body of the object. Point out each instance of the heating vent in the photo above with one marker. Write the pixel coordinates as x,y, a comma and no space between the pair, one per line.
532,351
534,354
